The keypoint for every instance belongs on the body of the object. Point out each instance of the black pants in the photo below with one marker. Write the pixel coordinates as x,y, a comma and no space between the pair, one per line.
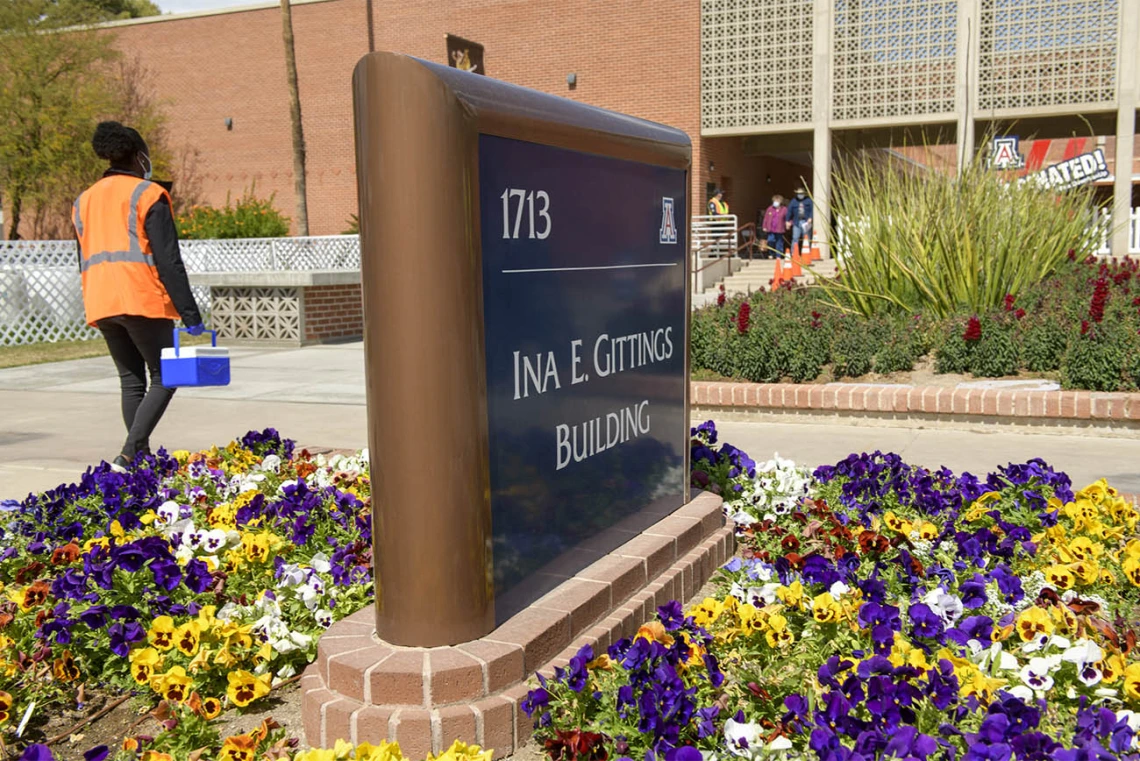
136,345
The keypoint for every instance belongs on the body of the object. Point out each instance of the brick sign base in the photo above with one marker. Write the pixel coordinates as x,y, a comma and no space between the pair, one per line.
363,690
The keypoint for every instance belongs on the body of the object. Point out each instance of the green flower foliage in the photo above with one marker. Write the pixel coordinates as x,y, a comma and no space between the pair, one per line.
250,217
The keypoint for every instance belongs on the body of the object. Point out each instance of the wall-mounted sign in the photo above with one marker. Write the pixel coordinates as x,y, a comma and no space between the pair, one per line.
1079,170
465,55
1005,153
530,413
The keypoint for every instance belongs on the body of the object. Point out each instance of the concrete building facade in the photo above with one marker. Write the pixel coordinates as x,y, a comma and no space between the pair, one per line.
765,88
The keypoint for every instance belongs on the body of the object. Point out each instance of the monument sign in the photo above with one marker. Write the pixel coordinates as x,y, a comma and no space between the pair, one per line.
524,269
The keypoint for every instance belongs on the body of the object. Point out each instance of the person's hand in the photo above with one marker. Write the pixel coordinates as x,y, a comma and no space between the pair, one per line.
196,330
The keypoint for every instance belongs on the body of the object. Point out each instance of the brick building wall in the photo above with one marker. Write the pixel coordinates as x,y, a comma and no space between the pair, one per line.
640,57
333,312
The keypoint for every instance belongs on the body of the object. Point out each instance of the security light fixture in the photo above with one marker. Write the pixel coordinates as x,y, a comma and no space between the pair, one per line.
572,80
229,124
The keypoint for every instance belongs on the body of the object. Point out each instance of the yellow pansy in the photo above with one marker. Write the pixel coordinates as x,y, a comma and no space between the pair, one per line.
460,751
1087,571
1060,576
173,686
161,633
244,687
255,547
385,751
654,631
928,531
791,595
751,619
825,609
1131,568
708,611
239,748
904,654
187,637
1083,548
6,703
317,754
211,707
1132,682
897,524
1033,621
1111,668
144,664
778,634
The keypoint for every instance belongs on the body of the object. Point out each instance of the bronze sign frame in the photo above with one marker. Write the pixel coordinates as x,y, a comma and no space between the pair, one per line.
417,130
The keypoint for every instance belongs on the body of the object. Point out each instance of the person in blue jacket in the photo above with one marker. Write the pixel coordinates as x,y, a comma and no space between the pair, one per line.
801,212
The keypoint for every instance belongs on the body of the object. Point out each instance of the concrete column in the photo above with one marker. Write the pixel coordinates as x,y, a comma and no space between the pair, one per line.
965,78
1128,82
821,118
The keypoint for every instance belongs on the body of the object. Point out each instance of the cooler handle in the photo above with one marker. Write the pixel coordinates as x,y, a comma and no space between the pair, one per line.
177,344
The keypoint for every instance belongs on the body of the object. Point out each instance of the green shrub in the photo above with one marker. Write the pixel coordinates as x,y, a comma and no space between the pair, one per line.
1043,344
953,353
757,357
250,217
1094,362
852,349
996,353
802,351
894,357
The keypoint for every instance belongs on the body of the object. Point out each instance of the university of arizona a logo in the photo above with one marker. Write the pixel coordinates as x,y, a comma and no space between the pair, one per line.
1005,154
668,222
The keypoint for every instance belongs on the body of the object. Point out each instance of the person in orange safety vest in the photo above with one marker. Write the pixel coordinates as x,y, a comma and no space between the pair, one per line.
134,281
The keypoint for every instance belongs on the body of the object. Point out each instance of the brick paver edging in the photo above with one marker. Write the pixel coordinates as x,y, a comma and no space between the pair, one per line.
863,397
363,690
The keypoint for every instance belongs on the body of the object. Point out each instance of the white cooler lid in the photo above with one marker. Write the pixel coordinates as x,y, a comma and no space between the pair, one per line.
191,352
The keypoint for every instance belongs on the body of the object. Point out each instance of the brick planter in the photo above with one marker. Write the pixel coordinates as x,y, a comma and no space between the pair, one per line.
364,690
1119,412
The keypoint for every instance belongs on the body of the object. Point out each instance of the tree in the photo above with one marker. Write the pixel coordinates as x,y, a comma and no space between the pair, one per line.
55,86
122,9
295,117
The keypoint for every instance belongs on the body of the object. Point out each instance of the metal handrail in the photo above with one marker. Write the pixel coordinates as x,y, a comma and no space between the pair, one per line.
751,245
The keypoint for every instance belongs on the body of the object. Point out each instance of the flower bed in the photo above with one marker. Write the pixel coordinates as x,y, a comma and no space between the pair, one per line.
879,610
1080,325
197,582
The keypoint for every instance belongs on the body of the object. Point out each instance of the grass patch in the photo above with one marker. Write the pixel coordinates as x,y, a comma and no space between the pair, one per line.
61,351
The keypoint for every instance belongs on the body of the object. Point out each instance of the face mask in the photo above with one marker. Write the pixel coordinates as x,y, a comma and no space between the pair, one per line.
776,204
799,195
148,170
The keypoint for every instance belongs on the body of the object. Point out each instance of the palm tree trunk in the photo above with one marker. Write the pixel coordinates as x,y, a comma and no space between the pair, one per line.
302,214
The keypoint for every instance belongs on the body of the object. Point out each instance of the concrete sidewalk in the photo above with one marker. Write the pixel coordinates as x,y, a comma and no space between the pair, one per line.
59,418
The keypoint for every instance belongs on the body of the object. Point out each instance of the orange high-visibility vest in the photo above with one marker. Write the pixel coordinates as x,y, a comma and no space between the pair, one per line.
116,260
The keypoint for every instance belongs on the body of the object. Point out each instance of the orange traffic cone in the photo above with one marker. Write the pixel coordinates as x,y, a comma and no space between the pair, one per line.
796,271
815,252
778,276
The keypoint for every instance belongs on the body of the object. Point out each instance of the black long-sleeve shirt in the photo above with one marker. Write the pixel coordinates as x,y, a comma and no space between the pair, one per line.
163,235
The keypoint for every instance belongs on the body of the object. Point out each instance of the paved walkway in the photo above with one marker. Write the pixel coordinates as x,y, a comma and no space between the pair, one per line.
59,418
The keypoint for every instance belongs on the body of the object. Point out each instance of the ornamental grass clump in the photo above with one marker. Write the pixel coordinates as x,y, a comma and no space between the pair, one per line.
921,240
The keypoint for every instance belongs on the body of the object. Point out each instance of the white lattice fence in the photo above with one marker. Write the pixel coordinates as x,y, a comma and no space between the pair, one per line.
41,298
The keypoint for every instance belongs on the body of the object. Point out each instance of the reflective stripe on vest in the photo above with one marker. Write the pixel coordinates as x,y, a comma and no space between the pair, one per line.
137,257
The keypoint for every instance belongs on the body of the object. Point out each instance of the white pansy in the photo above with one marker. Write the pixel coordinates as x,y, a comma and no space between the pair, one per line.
1036,675
780,743
292,575
1132,717
760,571
284,646
192,537
763,595
838,589
1083,651
743,519
1022,693
320,563
948,607
300,639
324,618
167,513
184,554
284,673
743,738
214,541
228,611
271,463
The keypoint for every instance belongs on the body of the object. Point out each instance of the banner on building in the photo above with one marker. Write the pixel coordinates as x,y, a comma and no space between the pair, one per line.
1071,173
465,54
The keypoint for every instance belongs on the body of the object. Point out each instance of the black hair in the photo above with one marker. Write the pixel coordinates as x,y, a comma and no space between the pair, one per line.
117,143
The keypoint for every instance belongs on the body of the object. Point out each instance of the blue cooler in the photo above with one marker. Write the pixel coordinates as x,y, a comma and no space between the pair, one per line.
196,365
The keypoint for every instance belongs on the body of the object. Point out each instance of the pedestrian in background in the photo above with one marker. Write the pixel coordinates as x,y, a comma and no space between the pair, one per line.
134,281
775,225
801,212
717,204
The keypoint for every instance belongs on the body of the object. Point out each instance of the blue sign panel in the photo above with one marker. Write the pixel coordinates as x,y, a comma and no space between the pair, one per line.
584,274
